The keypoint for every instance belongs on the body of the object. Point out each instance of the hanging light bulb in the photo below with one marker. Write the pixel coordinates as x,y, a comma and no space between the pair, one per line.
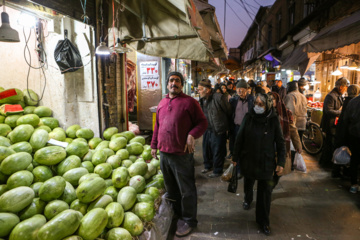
353,66
102,49
345,66
119,48
337,72
7,34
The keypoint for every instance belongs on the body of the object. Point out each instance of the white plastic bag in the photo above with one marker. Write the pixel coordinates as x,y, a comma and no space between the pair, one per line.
342,155
292,148
299,163
226,176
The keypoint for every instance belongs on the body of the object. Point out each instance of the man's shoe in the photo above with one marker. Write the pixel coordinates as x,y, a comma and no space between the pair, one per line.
266,230
214,175
246,206
354,188
206,170
229,156
183,229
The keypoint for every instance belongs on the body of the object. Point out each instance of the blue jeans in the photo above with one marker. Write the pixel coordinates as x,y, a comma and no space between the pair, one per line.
214,151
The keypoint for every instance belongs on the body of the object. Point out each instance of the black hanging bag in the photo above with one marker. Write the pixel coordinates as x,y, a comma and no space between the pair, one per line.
67,56
233,182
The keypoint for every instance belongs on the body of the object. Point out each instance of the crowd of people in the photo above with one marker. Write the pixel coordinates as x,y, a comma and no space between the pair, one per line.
260,122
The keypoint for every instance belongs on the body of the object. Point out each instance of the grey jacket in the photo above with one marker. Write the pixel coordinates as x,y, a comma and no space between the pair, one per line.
297,104
218,112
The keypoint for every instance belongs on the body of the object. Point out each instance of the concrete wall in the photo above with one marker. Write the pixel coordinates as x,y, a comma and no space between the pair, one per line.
71,96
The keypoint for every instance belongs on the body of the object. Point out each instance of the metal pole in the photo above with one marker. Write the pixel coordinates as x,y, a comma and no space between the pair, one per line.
224,19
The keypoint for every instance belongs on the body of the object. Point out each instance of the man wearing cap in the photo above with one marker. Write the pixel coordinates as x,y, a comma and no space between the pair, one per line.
218,112
279,89
241,103
179,121
332,109
302,84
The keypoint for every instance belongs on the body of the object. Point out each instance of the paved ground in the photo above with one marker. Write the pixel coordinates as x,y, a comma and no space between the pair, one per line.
310,206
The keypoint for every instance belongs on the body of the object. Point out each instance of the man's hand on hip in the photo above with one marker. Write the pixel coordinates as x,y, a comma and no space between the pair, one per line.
153,153
190,144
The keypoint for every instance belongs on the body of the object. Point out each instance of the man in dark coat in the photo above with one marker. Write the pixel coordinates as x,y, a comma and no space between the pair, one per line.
279,89
217,111
331,111
347,134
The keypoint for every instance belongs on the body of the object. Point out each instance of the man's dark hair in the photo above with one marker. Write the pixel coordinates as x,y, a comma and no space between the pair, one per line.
343,81
205,83
176,74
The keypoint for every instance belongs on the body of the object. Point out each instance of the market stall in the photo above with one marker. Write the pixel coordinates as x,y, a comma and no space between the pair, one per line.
50,138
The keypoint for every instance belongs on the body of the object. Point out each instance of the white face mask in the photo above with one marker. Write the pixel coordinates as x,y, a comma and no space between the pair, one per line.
259,110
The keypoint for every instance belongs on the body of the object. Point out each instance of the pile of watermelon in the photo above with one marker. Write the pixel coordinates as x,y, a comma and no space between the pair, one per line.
85,187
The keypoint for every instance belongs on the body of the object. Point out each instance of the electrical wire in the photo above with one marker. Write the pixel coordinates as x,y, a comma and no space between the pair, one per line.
30,66
258,3
241,4
253,19
237,15
27,48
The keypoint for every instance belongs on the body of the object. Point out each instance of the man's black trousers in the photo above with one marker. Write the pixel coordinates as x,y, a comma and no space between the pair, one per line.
179,178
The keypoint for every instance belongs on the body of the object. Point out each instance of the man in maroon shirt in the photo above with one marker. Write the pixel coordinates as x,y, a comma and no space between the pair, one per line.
179,121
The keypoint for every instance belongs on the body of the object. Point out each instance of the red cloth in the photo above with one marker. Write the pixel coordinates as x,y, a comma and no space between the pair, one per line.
283,116
175,119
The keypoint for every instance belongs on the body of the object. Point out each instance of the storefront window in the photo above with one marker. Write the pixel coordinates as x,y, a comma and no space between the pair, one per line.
183,66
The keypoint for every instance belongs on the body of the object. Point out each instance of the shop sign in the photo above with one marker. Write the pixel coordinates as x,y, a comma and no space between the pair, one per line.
150,82
149,74
149,68
270,76
249,54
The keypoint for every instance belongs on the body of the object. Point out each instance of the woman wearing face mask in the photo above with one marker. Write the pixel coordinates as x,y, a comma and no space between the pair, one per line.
259,137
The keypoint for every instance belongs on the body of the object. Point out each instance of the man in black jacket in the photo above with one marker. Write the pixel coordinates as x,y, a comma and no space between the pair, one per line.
279,89
331,111
217,111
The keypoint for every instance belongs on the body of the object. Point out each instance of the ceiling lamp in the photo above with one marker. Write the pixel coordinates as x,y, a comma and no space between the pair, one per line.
353,66
102,49
337,72
119,48
344,66
7,34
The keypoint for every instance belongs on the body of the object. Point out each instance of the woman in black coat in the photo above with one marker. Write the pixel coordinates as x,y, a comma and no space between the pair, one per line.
259,138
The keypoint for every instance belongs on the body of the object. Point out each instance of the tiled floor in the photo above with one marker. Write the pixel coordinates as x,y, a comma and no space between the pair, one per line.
310,206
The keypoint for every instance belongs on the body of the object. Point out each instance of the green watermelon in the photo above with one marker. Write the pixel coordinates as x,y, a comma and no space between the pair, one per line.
30,97
135,148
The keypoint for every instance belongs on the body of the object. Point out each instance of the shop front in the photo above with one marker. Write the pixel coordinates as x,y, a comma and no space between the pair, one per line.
338,47
31,63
